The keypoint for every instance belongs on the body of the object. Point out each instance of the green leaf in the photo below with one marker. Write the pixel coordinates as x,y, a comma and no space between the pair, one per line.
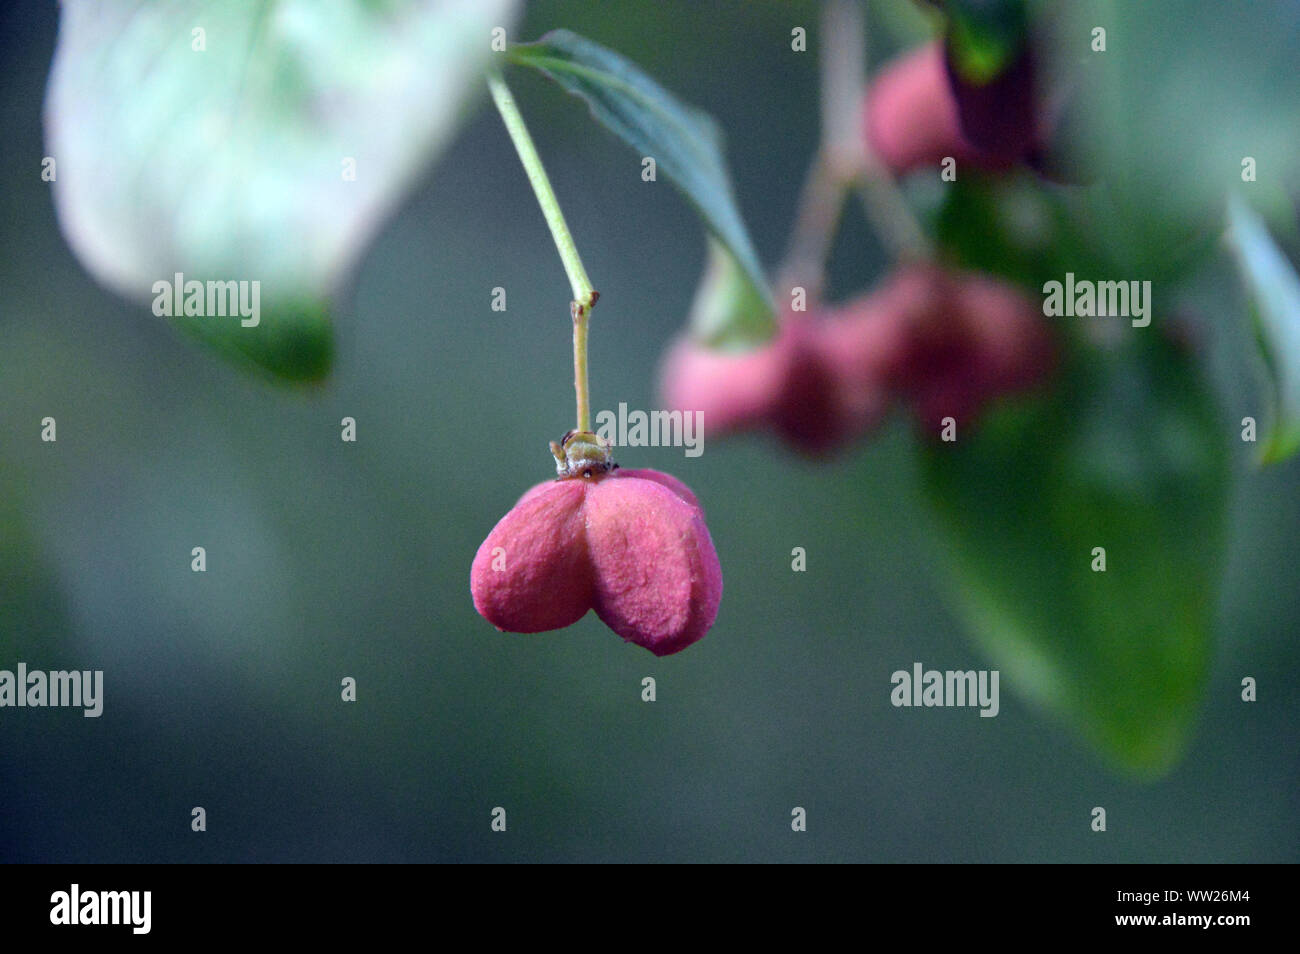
1184,93
1274,288
216,139
1011,226
1127,455
728,314
685,143
33,618
984,35
293,342
1014,226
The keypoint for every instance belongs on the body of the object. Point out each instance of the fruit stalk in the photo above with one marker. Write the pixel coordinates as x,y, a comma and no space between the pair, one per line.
584,296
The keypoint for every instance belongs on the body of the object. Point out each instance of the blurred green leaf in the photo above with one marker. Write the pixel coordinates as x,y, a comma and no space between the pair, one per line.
218,140
684,142
1014,227
293,343
32,614
1128,456
728,313
1184,93
984,35
1274,288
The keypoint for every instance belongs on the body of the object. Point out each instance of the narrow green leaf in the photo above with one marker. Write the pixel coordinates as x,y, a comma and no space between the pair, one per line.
1127,456
1274,287
728,314
252,141
684,142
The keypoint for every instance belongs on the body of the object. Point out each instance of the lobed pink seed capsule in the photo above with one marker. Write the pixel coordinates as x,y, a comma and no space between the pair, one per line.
968,339
942,341
821,407
912,117
630,544
731,390
804,385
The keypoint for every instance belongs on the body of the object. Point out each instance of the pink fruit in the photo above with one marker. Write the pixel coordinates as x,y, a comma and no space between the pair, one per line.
806,411
630,544
912,118
731,390
970,339
800,385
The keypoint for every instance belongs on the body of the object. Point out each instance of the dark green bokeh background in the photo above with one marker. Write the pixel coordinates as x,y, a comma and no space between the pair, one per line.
328,559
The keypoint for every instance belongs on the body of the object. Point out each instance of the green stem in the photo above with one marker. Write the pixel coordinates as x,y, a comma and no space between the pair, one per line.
584,296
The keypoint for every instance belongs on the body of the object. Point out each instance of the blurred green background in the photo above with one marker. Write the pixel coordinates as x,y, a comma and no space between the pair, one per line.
328,559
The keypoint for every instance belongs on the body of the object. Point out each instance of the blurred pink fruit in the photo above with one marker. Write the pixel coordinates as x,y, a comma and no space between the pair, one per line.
912,118
796,385
943,342
973,339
